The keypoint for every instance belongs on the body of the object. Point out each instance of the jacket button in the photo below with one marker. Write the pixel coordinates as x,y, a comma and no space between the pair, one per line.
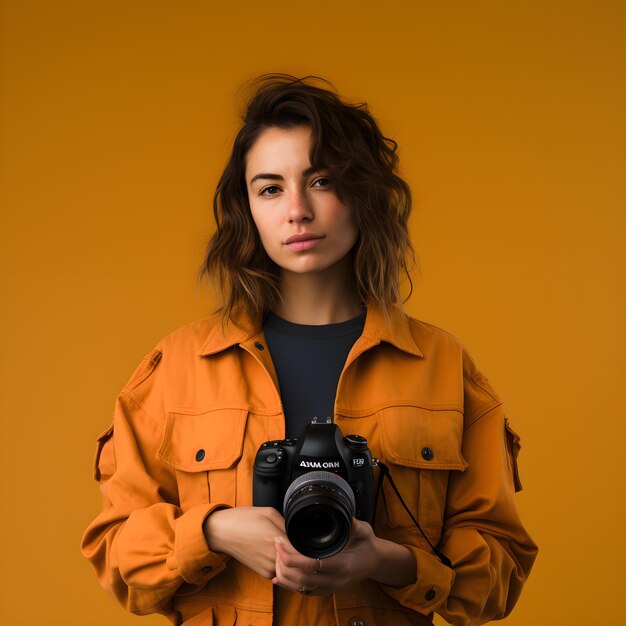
207,568
427,454
199,455
356,621
431,594
259,346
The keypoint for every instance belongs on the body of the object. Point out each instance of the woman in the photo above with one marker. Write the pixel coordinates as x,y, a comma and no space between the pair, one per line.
311,240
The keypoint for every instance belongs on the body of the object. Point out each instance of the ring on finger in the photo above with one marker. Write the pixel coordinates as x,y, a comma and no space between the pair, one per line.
304,591
318,566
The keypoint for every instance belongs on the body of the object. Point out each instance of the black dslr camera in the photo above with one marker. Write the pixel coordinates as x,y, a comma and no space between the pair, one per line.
318,482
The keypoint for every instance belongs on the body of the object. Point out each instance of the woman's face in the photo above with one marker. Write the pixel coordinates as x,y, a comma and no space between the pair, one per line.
302,224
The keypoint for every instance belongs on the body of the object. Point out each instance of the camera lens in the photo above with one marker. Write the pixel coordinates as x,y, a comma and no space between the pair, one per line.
319,507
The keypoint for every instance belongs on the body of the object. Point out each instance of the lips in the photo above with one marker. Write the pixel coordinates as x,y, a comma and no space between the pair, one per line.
302,237
303,242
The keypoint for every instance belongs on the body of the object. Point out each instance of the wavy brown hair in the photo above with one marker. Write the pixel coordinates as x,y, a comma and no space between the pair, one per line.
363,166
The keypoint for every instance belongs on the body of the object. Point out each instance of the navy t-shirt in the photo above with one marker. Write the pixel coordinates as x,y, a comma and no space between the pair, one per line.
308,361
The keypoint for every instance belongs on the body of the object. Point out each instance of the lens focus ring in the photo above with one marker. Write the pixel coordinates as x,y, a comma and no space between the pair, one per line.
319,507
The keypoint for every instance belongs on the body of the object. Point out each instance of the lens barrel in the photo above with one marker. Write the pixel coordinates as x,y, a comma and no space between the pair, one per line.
318,509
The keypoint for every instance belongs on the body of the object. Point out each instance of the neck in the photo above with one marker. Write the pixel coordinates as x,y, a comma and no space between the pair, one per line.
326,297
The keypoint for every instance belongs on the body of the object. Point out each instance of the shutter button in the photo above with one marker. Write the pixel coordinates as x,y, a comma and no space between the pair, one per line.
199,455
427,454
430,594
259,346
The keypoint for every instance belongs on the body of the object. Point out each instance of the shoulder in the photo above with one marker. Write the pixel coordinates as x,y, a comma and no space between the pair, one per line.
451,357
170,358
189,339
439,347
434,341
430,338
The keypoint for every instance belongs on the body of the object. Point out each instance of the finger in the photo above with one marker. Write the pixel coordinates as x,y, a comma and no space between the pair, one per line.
284,561
358,529
292,558
288,578
275,517
296,559
286,549
304,590
295,580
298,568
287,545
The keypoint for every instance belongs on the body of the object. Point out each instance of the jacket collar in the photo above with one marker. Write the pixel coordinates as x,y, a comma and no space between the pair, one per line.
394,331
221,338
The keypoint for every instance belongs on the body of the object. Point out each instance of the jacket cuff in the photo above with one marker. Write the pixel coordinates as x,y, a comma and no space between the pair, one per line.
432,587
191,556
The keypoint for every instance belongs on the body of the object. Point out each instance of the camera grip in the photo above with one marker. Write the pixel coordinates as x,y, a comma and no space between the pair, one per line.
269,470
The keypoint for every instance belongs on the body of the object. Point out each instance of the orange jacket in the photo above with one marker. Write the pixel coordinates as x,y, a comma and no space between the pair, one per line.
185,433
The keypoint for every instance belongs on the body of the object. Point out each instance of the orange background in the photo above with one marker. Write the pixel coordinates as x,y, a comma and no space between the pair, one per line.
117,120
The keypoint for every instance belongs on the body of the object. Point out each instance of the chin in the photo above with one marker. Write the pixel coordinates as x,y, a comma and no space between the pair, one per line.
309,268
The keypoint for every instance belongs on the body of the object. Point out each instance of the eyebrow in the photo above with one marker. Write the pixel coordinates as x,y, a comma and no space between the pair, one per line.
266,176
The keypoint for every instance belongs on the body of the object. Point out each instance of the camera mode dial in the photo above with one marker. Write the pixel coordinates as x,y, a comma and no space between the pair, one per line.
356,442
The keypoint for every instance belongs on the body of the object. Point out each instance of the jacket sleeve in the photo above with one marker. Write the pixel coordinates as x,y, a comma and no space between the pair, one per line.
143,547
491,552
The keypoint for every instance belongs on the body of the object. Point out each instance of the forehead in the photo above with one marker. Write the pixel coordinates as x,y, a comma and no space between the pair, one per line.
279,147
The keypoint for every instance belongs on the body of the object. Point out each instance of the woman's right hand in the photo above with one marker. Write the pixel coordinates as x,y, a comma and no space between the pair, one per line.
246,533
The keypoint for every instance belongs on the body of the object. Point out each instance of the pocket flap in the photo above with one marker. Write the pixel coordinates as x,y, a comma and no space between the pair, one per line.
104,462
207,440
425,438
513,447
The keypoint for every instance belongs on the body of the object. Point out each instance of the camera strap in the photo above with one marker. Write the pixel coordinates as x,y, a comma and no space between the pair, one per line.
384,472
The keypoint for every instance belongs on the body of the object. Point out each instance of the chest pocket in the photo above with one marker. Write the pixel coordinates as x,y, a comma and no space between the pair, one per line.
204,448
421,447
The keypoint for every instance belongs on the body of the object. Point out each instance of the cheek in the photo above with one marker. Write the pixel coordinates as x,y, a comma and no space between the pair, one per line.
265,230
350,226
266,242
258,219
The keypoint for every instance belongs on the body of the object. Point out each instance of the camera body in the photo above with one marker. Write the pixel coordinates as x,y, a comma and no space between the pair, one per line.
318,482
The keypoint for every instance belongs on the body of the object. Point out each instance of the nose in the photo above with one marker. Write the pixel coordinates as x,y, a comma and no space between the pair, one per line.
299,209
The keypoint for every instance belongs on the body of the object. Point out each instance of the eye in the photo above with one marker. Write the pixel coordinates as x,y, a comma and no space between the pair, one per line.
324,182
272,189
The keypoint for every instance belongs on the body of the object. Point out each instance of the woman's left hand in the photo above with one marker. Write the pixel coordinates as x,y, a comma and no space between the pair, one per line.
353,564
